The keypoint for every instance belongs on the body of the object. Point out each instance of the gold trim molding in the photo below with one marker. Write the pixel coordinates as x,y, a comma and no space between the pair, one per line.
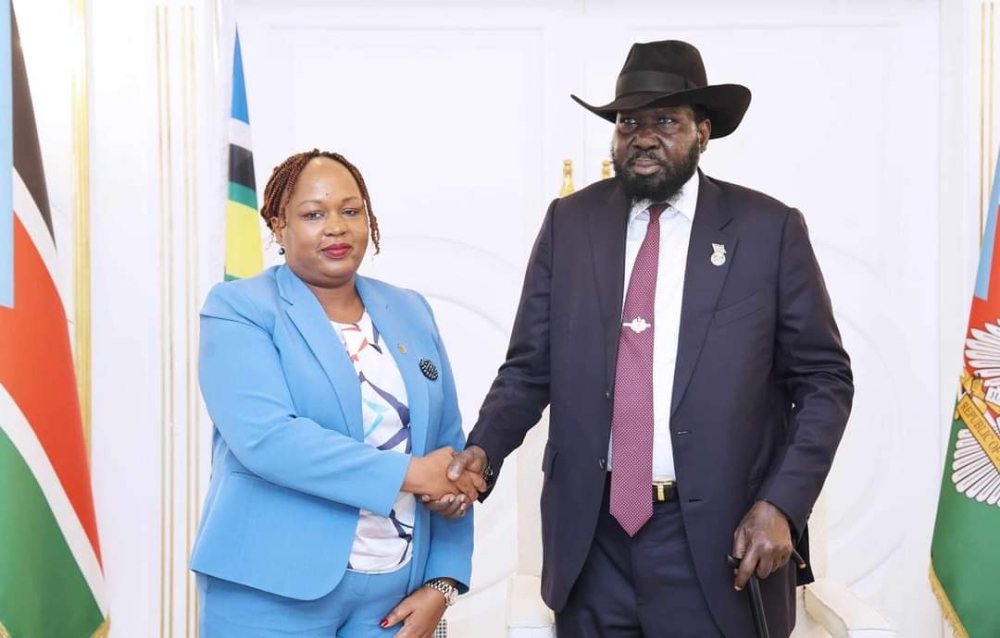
165,206
192,456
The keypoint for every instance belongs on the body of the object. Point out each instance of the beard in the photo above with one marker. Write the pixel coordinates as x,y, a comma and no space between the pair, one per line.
658,187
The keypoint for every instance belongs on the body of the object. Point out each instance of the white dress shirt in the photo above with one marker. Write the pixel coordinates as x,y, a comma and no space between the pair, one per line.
675,234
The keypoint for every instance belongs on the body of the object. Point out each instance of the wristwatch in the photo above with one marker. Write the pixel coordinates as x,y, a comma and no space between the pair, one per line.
449,591
488,473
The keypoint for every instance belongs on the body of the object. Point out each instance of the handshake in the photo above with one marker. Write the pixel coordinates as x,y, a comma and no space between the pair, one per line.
448,483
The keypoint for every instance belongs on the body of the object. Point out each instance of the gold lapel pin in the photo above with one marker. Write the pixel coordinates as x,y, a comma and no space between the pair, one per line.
402,349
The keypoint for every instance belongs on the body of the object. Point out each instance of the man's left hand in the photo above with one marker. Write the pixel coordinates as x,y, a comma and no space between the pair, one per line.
763,541
451,506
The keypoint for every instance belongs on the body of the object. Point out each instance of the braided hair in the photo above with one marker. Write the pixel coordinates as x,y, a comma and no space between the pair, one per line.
283,178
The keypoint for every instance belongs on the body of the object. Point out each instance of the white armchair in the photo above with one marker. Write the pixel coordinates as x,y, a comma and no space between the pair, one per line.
505,601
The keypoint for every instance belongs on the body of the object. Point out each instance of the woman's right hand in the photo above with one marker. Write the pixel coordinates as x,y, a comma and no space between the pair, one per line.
428,476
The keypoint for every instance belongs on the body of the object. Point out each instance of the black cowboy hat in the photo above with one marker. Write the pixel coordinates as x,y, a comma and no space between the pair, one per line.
671,73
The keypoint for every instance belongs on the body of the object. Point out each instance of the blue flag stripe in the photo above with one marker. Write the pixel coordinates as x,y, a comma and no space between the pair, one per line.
989,236
239,110
7,162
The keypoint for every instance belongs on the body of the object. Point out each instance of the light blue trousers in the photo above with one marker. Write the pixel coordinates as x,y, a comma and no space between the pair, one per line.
353,609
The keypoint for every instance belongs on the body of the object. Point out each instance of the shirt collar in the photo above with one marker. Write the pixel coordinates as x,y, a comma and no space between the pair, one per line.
684,201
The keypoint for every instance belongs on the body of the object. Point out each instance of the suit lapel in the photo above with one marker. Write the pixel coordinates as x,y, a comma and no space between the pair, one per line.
306,313
608,225
703,281
395,333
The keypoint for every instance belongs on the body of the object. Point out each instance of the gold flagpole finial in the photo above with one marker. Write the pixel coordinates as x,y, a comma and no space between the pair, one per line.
606,169
567,185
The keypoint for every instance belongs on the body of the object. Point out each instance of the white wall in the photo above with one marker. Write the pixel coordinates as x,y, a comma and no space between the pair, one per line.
157,202
458,113
838,97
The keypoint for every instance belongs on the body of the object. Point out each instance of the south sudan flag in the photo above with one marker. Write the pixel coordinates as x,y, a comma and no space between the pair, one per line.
51,579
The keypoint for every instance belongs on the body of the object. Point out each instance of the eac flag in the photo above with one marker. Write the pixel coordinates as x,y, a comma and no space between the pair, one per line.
244,252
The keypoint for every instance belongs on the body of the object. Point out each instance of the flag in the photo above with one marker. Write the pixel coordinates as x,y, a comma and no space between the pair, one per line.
965,554
51,578
244,251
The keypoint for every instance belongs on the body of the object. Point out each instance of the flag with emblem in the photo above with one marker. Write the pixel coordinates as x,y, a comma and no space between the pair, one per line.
244,251
51,579
965,555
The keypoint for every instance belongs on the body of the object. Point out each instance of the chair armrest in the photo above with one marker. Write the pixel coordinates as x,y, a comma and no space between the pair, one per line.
842,614
527,615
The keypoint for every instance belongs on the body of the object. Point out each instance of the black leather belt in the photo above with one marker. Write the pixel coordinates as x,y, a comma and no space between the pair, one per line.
665,492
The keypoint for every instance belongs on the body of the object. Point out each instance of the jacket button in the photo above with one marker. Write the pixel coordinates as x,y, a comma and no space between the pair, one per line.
603,463
607,394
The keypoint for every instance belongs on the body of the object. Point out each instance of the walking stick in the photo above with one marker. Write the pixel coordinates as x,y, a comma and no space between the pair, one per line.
756,602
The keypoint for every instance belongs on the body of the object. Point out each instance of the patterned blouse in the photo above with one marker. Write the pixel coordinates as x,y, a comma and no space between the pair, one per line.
380,544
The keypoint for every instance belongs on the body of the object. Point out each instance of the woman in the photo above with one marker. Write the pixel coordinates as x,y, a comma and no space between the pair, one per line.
334,407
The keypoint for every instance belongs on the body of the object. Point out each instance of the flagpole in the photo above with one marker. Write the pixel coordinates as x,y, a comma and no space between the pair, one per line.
81,214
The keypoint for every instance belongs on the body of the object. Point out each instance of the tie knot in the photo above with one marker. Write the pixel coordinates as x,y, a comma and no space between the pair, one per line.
655,210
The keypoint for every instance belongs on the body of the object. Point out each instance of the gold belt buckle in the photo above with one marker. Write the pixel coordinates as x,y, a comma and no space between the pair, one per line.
661,487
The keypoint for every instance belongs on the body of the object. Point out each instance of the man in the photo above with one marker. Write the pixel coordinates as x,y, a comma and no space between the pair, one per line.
681,332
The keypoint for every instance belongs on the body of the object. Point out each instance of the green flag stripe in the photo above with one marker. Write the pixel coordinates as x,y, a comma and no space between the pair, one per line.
243,195
42,591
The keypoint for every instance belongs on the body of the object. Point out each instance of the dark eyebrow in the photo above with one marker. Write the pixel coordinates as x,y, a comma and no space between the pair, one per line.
308,201
317,202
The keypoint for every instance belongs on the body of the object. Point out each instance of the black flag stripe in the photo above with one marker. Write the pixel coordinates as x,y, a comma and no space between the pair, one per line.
241,167
27,153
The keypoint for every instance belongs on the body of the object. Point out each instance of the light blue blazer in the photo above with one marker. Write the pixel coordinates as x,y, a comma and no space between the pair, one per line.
289,468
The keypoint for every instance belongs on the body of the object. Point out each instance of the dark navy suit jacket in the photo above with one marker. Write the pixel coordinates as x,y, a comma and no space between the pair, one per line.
762,385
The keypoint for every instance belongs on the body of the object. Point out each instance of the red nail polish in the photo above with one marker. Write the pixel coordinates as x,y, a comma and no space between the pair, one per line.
384,623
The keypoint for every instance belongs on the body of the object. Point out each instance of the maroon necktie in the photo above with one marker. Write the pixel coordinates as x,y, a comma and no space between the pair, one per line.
632,420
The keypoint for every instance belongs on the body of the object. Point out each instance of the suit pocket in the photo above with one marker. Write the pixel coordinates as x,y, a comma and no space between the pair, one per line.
746,307
549,459
274,538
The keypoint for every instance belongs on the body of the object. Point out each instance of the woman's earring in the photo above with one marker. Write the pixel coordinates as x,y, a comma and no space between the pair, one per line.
281,250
